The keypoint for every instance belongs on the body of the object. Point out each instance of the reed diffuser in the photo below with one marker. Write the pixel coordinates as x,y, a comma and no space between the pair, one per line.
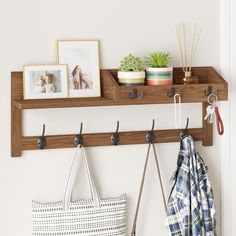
187,61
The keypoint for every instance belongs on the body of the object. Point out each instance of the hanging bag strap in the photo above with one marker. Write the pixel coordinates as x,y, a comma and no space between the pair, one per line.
70,182
133,232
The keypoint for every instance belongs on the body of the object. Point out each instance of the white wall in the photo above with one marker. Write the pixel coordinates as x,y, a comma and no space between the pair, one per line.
228,115
28,33
232,114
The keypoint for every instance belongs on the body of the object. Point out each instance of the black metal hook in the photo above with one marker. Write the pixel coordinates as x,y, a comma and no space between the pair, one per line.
79,137
171,93
150,137
187,123
115,136
208,91
184,132
41,142
134,94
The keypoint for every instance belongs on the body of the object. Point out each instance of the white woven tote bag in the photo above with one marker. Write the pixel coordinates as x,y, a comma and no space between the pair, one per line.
100,217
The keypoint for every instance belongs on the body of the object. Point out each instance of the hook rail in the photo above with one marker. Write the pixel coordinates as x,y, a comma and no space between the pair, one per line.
22,143
104,139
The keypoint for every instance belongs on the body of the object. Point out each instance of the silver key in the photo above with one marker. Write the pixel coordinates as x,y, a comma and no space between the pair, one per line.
210,112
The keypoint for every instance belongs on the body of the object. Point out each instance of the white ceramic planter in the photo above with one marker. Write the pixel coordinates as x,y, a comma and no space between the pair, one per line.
159,76
131,78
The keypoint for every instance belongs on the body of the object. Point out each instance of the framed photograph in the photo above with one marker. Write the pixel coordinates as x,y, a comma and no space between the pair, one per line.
45,81
82,58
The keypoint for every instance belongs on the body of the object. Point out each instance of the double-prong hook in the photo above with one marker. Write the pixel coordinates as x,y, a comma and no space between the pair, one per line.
79,137
184,132
187,123
208,91
115,136
171,93
150,137
41,142
134,94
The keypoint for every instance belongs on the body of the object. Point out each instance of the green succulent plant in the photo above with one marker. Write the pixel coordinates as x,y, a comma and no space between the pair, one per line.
158,59
131,63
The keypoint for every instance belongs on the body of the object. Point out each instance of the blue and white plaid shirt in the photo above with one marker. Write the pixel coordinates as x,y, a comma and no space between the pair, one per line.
191,209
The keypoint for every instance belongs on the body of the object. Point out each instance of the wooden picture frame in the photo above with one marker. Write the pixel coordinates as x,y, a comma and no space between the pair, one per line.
45,81
82,57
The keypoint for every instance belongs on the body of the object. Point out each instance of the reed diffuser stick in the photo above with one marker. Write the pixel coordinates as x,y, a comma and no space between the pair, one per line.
182,42
196,46
185,46
193,43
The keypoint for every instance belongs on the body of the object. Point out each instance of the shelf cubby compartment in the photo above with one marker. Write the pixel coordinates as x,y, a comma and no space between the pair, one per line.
210,81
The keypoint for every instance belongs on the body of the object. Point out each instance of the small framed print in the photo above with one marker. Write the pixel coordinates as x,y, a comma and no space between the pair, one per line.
82,58
45,81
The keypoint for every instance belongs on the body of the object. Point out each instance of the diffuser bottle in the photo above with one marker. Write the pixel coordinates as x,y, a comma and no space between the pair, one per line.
189,78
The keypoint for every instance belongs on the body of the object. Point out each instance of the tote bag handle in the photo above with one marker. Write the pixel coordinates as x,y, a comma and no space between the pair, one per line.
70,182
133,232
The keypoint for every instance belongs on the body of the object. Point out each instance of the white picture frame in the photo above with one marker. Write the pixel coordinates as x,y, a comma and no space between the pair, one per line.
45,81
82,58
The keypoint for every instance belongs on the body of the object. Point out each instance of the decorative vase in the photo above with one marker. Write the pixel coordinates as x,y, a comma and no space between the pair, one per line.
131,78
159,76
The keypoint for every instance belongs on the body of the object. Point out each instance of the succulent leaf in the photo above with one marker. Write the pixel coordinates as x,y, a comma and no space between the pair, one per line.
158,59
131,63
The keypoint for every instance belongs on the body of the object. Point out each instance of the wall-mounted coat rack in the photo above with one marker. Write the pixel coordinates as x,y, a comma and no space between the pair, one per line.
112,94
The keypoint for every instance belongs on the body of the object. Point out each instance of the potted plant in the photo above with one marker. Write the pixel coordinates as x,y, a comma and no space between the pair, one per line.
131,71
158,72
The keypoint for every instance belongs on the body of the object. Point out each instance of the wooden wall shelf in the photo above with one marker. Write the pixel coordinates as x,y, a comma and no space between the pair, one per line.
112,95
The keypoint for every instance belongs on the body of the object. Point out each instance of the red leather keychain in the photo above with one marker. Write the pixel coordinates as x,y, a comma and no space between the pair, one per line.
219,122
211,109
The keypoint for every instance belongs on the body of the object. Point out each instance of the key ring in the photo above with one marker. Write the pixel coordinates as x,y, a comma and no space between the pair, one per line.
219,122
216,99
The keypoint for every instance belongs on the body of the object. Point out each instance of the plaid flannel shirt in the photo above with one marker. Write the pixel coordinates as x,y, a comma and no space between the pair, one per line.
191,209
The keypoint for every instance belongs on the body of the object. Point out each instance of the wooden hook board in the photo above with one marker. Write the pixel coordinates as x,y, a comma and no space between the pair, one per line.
113,94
